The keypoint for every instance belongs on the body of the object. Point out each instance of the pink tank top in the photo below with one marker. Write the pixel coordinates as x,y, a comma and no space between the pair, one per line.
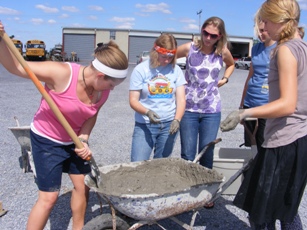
76,112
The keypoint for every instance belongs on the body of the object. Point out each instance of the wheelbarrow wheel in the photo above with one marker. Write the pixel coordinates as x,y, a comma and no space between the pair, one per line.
104,222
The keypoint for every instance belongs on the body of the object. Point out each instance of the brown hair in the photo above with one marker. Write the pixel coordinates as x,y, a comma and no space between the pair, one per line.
220,25
286,12
110,55
167,41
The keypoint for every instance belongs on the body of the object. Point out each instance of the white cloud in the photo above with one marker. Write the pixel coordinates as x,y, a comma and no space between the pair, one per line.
70,8
93,17
37,21
64,16
161,7
51,21
120,20
191,27
8,11
47,9
96,8
126,25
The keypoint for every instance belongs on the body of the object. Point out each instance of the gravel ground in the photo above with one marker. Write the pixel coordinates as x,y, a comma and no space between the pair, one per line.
110,142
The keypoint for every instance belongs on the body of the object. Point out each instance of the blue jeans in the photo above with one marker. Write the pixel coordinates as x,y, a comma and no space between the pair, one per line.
202,127
148,137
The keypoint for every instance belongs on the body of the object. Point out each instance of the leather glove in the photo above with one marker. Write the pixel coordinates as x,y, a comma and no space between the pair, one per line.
231,121
153,117
174,126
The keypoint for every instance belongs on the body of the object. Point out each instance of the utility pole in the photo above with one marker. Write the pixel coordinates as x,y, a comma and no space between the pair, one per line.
199,14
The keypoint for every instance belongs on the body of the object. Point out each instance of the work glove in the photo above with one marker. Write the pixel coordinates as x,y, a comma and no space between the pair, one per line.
174,126
153,117
231,121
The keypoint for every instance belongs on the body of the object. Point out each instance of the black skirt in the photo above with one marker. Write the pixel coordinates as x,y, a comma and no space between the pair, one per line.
274,184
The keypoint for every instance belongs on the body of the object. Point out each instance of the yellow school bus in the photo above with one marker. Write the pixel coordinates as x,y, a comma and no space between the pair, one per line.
35,50
18,45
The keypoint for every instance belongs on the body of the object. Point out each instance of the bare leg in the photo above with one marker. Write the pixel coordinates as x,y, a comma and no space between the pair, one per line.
41,210
79,198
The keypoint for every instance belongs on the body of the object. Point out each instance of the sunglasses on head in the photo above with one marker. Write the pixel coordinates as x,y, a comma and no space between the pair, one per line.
213,36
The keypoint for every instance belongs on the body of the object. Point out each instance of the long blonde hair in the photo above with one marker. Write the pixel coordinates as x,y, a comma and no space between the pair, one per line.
286,12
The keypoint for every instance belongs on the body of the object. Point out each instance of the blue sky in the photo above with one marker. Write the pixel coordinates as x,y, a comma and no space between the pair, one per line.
45,19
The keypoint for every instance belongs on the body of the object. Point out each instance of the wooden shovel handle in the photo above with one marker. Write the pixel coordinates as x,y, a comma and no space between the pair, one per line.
43,92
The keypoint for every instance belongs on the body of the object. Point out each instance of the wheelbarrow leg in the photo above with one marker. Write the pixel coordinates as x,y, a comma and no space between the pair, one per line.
2,211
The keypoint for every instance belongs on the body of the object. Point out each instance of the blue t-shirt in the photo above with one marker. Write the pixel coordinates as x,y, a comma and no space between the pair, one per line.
158,88
258,89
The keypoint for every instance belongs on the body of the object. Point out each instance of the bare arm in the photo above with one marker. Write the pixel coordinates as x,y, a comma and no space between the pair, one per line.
54,74
286,103
250,74
183,50
180,102
87,127
230,65
134,97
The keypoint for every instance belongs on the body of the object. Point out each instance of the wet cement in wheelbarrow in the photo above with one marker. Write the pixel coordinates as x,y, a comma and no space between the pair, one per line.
158,176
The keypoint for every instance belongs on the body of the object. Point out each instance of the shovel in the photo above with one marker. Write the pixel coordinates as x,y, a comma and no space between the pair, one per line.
95,173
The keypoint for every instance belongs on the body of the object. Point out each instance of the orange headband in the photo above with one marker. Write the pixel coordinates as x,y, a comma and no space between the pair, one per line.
165,51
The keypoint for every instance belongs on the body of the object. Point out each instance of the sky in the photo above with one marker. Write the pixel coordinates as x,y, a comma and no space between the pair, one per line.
44,19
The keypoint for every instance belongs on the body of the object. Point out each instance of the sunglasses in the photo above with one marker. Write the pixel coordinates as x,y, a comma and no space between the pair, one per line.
212,36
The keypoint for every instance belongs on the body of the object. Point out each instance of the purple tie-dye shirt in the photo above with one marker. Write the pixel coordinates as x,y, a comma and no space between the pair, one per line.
202,72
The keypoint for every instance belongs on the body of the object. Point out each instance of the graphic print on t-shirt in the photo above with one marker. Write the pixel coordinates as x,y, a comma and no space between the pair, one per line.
159,87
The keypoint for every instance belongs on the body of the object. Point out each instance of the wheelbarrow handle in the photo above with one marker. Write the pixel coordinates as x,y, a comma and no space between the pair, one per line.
202,152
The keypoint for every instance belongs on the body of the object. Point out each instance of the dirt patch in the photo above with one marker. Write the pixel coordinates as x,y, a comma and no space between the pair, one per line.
158,176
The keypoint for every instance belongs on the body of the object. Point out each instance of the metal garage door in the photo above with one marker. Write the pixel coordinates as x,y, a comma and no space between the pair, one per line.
82,44
137,44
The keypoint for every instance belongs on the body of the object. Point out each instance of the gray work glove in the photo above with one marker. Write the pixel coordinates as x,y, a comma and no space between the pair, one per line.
231,121
174,126
153,117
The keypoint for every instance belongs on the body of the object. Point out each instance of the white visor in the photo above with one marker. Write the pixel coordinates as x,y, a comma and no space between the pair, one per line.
116,73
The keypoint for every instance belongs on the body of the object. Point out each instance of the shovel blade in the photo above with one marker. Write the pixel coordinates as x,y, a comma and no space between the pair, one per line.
95,173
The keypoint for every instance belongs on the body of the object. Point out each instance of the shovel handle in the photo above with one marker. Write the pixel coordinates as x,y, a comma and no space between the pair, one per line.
43,92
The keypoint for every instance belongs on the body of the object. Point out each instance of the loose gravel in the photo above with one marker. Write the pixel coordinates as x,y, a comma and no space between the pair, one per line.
110,142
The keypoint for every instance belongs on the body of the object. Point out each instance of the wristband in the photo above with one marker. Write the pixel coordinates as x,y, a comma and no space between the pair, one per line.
226,79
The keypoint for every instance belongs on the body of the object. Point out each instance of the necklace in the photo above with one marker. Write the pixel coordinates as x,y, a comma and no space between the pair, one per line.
90,95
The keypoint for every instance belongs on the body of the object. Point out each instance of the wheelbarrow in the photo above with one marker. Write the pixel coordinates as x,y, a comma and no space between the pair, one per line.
128,189
22,135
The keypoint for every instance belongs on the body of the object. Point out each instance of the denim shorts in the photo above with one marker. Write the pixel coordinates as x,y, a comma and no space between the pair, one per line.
51,159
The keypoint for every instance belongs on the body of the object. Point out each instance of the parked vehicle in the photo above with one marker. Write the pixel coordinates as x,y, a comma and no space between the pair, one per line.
236,57
244,62
18,45
181,62
142,57
35,50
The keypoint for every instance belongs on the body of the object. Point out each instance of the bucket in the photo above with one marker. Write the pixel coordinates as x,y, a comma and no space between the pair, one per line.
228,161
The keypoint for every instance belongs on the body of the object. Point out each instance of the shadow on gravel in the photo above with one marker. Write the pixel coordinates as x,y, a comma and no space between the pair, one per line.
61,214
